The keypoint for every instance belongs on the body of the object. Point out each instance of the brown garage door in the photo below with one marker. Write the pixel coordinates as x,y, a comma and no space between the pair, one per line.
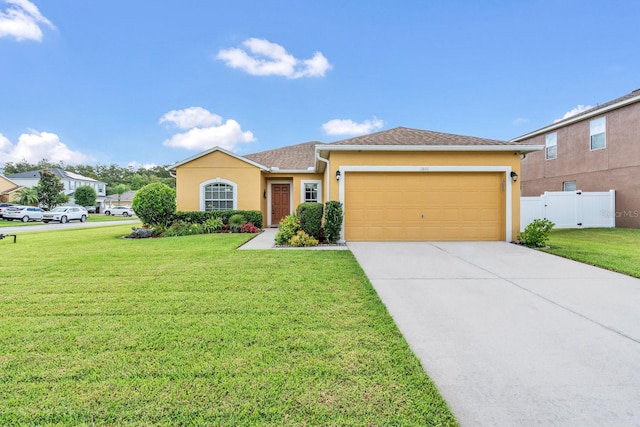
392,206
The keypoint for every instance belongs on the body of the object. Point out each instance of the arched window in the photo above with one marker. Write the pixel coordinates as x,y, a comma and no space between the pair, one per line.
218,195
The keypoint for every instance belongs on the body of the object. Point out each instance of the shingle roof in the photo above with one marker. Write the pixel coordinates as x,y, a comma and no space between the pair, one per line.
56,171
293,157
624,100
634,94
408,136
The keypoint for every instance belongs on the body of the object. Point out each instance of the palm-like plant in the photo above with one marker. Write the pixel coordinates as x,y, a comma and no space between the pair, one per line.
27,196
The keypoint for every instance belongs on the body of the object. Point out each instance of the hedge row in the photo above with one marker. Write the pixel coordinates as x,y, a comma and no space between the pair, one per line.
197,217
310,216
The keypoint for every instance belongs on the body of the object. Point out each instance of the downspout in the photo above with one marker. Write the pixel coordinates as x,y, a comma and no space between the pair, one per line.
326,175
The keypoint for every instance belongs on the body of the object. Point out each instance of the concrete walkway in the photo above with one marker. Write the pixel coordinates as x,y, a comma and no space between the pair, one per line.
513,336
266,240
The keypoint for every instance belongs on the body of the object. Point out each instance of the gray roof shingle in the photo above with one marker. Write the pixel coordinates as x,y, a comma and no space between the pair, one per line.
408,136
293,157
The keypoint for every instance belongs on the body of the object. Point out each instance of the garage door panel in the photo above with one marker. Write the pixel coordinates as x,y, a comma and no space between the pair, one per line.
424,206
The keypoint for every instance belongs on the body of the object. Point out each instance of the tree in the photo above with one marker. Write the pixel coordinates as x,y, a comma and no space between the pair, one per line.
155,204
49,188
85,195
27,196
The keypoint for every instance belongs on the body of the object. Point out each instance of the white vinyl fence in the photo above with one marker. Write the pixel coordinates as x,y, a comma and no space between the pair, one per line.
570,209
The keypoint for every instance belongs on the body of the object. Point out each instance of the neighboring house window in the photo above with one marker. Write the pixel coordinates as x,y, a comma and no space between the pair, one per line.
569,186
311,191
551,144
598,128
218,195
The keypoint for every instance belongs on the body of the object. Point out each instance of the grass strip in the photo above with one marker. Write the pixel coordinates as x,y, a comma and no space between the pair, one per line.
616,249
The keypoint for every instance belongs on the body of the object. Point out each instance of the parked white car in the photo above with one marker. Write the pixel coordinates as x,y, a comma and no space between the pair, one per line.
23,213
119,210
65,214
4,207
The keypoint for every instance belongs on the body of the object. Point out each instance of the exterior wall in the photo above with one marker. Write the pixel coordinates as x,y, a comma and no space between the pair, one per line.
615,167
430,158
295,180
218,165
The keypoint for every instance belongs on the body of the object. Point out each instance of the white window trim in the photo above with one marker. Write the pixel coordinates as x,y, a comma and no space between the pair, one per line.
428,168
591,134
310,181
564,185
219,181
547,146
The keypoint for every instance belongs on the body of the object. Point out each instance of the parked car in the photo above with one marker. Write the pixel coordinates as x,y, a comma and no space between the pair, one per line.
3,207
65,214
119,210
90,209
23,213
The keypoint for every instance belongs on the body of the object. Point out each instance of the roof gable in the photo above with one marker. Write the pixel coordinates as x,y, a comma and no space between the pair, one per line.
212,150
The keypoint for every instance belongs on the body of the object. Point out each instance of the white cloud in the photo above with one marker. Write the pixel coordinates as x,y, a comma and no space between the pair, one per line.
22,20
520,121
206,130
191,117
349,127
5,144
579,109
35,146
260,57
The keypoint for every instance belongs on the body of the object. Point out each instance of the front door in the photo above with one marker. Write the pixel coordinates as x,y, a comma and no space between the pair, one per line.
280,199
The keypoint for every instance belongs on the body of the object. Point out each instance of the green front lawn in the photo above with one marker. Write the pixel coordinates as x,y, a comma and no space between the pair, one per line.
99,330
616,249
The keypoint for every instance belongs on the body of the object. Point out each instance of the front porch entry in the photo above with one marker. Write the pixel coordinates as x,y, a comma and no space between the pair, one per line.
280,202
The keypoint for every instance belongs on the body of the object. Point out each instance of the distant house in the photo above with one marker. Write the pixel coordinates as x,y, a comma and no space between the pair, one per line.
8,189
70,180
125,199
596,150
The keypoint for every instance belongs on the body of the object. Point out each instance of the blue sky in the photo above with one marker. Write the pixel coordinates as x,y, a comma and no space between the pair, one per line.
137,82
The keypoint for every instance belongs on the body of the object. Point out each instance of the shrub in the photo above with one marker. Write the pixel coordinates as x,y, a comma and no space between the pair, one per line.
85,195
155,204
333,221
249,228
288,228
236,221
199,217
536,234
302,239
310,216
182,228
212,225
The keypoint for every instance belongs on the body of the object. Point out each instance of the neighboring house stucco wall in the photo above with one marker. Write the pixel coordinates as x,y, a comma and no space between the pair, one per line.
614,167
8,190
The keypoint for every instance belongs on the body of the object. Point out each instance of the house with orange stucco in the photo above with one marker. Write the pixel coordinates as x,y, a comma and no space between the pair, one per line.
400,184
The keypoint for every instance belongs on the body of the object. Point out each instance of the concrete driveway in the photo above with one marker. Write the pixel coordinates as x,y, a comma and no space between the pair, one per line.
513,336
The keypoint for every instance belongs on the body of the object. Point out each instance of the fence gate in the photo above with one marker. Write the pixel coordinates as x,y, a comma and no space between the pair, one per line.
570,209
